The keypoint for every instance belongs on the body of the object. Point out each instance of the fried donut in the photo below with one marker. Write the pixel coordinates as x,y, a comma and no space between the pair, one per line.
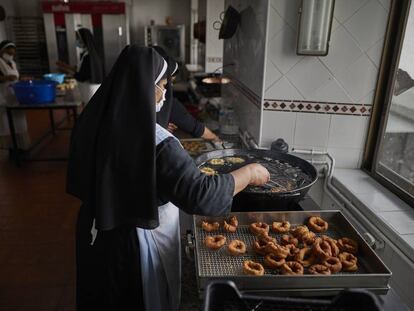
259,228
273,262
208,171
281,227
252,268
236,247
215,242
349,262
317,224
235,160
305,257
299,231
332,243
279,250
210,227
292,268
322,249
293,250
319,269
308,238
333,263
348,245
216,161
231,226
289,239
259,247
266,238
328,238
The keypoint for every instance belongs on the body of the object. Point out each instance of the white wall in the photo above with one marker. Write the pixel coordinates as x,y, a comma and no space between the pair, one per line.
213,46
324,102
407,53
143,11
9,8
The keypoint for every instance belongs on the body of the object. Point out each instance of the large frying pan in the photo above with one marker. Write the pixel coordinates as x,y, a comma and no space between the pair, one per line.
265,200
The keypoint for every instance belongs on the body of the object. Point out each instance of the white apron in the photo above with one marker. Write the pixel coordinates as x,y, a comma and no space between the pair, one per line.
86,89
6,94
160,253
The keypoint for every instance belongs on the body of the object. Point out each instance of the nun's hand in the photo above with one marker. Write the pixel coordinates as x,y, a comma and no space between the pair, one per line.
259,175
172,127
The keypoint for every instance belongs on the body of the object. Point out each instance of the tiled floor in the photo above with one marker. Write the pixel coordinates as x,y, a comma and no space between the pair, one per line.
37,220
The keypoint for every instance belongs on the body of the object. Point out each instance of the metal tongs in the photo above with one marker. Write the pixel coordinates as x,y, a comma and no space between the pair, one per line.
271,184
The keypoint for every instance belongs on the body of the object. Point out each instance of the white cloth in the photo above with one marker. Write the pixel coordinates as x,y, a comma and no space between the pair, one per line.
160,254
86,90
20,123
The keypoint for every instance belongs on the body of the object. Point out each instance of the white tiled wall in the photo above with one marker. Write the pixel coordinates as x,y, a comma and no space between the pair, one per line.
351,66
347,75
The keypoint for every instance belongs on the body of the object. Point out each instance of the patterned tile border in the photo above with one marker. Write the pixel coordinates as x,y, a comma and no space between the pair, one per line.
317,107
243,89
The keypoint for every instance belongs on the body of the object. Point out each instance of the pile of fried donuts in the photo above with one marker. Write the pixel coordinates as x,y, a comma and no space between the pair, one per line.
300,250
297,250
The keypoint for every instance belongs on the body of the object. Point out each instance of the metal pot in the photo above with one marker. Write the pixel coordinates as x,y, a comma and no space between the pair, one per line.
230,22
249,200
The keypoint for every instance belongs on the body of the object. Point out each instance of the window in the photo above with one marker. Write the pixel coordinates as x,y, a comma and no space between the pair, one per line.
392,161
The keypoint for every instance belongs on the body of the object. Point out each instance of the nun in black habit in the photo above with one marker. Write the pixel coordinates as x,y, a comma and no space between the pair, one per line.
89,72
173,114
131,175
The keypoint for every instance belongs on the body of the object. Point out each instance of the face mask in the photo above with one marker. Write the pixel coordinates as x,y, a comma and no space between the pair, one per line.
80,44
7,57
159,104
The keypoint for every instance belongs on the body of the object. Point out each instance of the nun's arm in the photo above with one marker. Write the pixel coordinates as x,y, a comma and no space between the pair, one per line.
179,180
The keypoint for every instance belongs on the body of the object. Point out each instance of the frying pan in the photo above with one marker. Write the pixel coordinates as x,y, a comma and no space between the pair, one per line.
249,200
230,22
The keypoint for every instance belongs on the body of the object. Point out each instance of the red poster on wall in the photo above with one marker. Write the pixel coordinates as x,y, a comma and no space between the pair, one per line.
101,7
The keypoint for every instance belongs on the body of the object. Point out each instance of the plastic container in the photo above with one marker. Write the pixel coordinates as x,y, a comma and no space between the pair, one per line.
57,77
34,92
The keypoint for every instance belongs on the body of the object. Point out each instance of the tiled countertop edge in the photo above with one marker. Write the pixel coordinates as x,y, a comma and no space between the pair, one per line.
356,185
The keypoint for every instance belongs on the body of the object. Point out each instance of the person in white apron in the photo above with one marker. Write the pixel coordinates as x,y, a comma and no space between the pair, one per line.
89,72
9,74
132,176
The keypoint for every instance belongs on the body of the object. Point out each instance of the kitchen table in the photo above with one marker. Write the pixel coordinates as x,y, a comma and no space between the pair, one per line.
70,102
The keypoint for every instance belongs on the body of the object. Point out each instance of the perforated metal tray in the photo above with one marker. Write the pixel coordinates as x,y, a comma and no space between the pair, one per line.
212,265
206,146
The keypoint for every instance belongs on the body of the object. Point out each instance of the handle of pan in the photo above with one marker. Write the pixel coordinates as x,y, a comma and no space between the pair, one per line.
189,247
288,195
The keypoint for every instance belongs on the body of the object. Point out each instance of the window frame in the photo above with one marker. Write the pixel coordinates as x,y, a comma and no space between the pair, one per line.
393,43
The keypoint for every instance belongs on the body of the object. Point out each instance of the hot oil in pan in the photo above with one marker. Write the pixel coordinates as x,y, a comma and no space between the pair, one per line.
283,176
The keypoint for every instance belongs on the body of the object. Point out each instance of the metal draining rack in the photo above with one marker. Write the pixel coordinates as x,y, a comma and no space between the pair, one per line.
221,263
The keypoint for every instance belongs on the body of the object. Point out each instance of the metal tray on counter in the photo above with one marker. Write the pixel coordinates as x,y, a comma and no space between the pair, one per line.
211,265
202,145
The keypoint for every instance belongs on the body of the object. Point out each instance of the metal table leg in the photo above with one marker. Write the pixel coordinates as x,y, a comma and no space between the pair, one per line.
75,114
52,122
15,149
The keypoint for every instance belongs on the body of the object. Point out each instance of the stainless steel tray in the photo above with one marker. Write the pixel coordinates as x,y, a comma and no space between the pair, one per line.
213,265
206,145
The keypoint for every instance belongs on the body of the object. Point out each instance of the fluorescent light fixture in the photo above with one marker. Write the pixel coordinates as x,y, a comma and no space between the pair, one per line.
315,23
